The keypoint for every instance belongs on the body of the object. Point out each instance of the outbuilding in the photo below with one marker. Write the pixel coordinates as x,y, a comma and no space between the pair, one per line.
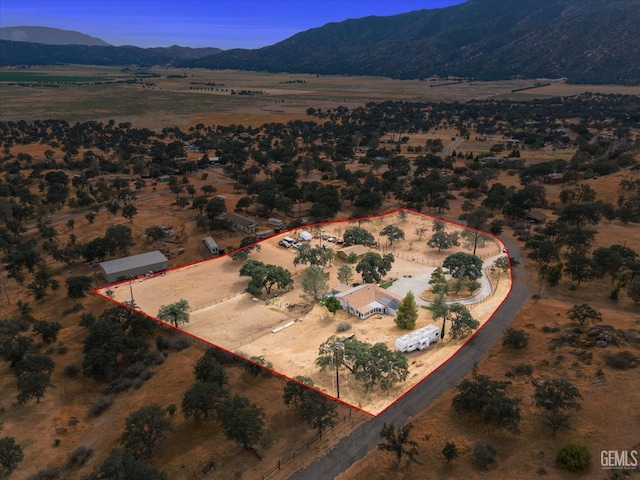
134,266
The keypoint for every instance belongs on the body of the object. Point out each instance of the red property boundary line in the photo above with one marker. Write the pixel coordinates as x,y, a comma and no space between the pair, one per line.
193,337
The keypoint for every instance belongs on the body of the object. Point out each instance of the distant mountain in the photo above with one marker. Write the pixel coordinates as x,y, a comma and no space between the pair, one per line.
49,36
586,41
23,53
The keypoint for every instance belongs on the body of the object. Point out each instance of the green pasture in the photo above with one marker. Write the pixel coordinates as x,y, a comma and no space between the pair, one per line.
43,77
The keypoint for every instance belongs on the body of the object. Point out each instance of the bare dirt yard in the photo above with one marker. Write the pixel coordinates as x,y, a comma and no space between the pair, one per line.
224,315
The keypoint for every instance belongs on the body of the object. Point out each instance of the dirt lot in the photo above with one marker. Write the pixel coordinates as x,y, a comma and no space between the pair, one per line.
222,314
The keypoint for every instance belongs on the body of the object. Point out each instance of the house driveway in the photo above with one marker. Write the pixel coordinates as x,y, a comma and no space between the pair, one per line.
419,283
416,284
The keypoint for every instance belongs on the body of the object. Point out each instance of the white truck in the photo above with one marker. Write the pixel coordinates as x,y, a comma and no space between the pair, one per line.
418,340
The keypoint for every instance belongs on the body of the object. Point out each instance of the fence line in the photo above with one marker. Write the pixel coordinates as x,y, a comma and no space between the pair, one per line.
431,263
200,306
417,260
300,450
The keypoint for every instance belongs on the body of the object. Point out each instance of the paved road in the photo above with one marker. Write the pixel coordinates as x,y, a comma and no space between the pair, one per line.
352,448
450,148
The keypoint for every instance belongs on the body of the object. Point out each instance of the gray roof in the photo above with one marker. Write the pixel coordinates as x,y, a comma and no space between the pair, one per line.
134,261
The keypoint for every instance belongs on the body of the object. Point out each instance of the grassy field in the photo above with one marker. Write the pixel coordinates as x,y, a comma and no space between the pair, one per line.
44,77
158,99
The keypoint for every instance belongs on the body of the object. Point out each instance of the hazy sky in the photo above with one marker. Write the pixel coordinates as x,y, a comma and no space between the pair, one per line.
198,23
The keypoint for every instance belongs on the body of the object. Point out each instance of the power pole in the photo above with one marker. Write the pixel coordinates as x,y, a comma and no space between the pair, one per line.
334,351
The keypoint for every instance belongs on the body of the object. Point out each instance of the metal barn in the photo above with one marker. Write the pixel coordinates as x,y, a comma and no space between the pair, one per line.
133,266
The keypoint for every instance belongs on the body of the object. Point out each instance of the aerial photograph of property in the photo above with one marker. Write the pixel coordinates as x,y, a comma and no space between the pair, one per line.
320,240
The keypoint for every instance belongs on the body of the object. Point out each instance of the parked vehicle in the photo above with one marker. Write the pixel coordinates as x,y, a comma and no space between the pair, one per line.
418,340
276,222
284,243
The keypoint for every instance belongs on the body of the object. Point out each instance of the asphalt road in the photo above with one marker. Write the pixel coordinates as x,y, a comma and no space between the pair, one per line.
355,446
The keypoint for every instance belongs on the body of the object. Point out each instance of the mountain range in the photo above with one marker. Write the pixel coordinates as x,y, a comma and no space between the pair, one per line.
49,36
584,41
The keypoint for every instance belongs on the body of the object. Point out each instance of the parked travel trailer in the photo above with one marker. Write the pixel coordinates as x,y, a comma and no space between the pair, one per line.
418,340
276,222
211,245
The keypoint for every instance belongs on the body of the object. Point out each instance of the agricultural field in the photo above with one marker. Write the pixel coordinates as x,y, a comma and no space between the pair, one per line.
157,97
44,77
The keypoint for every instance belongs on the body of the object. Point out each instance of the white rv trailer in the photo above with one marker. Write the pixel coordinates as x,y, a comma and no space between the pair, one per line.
418,340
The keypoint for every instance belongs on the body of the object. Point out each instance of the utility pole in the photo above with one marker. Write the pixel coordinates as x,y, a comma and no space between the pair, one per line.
131,290
334,351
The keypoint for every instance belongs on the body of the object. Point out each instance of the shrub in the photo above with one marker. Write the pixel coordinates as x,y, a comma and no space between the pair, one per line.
100,406
135,370
121,384
621,361
71,370
515,338
48,473
79,456
343,326
573,457
154,358
75,308
483,455
168,343
523,369
222,356
146,374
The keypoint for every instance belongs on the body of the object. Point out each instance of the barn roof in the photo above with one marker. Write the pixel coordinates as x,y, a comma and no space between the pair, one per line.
134,261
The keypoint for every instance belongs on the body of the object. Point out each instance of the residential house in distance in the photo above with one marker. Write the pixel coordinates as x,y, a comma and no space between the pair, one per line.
553,178
240,222
344,253
369,299
536,216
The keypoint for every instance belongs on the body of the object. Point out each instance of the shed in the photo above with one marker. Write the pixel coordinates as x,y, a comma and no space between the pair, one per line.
134,266
211,245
